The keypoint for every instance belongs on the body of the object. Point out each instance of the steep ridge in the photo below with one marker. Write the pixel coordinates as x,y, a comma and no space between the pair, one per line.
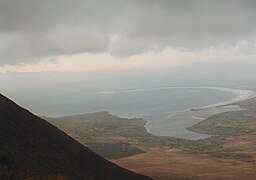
31,148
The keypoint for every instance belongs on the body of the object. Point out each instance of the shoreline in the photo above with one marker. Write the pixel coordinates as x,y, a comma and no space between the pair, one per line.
241,95
175,124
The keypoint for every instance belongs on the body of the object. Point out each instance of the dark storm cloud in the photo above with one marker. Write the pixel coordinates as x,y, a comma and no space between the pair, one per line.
34,29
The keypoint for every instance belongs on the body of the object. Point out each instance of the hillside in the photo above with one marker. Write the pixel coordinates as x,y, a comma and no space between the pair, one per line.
31,148
229,154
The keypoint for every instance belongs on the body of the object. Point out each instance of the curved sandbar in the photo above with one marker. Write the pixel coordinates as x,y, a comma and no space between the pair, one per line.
241,95
175,124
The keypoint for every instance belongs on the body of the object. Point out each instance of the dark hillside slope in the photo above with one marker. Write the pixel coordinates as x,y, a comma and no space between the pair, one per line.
31,148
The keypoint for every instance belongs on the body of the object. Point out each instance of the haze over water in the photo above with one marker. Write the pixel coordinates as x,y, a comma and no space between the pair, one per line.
121,102
153,104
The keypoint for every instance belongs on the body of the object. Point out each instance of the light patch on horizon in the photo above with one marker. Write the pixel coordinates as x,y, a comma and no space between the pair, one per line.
104,61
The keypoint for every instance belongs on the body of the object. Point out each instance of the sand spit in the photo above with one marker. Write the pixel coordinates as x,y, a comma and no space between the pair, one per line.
175,124
241,95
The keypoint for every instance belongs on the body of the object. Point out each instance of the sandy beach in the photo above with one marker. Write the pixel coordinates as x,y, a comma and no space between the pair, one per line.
241,95
175,124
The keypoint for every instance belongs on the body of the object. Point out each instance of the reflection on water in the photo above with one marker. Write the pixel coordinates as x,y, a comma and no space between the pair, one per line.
175,124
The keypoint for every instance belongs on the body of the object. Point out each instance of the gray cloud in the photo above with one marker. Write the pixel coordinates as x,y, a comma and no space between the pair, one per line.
34,29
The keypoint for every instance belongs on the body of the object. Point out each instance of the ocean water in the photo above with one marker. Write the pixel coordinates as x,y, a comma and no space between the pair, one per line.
153,104
133,93
123,102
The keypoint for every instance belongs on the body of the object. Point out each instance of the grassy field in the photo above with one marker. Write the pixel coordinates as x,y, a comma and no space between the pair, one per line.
108,135
229,153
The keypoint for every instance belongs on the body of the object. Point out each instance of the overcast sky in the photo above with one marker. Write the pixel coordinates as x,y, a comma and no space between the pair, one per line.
80,35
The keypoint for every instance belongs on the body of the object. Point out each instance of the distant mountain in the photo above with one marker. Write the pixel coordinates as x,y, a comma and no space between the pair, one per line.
31,148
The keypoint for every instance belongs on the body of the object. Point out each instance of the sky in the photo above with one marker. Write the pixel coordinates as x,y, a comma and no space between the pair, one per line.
96,35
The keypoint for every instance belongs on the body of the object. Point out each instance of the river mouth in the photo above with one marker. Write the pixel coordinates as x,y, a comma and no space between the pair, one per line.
175,124
168,110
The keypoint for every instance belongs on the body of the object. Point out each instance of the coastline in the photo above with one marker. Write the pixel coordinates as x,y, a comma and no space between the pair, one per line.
241,95
175,124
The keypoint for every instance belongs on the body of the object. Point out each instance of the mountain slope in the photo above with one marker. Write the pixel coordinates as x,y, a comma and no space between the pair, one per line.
31,148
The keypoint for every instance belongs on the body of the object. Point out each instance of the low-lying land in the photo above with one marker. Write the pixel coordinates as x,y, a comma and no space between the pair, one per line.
106,134
229,153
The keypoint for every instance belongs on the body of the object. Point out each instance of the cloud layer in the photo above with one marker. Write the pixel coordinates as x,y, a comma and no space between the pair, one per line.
33,29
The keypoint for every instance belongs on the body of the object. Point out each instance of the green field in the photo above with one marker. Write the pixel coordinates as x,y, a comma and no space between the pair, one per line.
114,137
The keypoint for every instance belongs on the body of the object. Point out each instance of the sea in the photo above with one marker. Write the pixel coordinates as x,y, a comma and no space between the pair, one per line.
140,98
126,103
153,104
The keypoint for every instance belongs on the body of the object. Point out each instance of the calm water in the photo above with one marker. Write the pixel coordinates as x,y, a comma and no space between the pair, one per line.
125,103
153,104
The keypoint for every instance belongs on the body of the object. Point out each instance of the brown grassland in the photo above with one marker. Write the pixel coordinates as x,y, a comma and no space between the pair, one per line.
229,154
